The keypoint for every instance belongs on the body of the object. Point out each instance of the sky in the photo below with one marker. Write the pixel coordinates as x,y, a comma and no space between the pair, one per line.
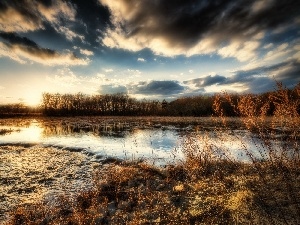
153,49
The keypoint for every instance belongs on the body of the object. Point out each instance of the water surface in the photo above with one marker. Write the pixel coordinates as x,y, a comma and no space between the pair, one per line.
42,158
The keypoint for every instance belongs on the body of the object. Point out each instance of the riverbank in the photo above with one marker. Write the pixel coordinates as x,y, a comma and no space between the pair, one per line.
220,192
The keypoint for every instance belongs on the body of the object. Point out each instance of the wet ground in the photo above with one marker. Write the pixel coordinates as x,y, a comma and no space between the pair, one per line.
32,173
46,157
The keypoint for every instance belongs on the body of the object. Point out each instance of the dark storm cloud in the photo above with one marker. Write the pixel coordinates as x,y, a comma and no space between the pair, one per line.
25,15
21,16
287,72
12,38
94,18
206,81
159,88
78,21
264,78
112,89
256,80
20,48
183,24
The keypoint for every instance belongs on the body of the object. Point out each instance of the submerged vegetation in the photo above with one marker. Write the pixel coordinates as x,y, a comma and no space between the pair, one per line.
208,186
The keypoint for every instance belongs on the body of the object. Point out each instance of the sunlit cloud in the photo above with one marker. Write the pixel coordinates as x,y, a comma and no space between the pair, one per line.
281,51
22,49
148,49
86,52
70,35
64,78
58,9
201,27
17,22
131,73
31,15
254,80
5,51
274,54
242,51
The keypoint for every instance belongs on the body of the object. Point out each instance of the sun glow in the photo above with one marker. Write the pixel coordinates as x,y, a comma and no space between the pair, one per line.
32,98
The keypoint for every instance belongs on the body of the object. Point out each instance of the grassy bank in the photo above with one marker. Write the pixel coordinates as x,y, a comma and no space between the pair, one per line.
207,187
218,193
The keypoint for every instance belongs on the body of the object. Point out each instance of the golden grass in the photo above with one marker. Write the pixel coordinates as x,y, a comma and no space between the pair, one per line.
204,189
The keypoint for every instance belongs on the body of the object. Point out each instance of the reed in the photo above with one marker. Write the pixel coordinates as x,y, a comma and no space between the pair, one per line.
209,186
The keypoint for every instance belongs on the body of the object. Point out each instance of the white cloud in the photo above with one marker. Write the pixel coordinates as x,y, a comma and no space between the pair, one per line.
261,5
280,51
270,45
108,70
57,59
126,34
133,73
33,16
66,81
70,35
141,60
86,52
242,51
58,9
6,52
296,55
64,78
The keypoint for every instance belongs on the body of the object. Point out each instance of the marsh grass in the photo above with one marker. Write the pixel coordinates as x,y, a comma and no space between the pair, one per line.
5,131
208,187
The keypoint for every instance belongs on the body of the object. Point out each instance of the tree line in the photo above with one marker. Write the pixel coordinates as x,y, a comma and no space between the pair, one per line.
98,105
123,105
18,109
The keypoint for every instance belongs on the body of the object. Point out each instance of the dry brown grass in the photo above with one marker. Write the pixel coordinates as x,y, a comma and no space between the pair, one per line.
204,189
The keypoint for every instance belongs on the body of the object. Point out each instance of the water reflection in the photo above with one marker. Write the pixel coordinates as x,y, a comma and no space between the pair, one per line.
154,142
123,140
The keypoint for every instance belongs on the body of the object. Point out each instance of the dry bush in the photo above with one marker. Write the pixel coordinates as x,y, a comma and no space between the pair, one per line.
274,179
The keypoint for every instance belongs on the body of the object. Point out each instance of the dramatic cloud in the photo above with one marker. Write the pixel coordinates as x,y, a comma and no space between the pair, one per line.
286,72
86,52
206,81
158,49
25,15
21,14
159,88
229,28
21,49
256,80
112,89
